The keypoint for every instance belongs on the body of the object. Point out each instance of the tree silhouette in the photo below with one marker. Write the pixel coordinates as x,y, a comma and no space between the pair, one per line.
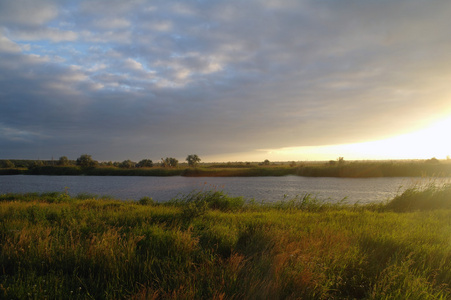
169,162
145,163
86,161
63,161
192,160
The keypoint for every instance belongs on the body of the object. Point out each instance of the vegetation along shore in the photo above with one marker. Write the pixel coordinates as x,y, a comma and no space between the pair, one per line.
85,165
207,245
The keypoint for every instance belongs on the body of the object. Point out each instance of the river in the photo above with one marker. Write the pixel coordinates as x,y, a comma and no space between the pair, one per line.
267,189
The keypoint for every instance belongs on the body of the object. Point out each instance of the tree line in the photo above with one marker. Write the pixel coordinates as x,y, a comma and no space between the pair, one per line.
86,161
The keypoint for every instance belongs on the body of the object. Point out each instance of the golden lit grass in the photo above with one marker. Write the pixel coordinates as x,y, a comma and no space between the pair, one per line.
106,249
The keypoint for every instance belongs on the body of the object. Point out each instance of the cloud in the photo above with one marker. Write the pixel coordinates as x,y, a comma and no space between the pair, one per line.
18,135
157,25
52,34
27,12
114,23
218,77
8,46
133,64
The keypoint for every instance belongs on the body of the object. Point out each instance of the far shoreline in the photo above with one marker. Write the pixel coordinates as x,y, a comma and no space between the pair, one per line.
352,169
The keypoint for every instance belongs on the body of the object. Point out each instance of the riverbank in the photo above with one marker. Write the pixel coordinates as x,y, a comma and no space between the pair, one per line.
207,245
358,169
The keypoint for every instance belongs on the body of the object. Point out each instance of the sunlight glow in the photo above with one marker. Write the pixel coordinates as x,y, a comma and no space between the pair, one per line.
433,141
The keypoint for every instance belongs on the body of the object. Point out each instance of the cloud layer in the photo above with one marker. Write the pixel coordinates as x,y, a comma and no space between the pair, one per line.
147,79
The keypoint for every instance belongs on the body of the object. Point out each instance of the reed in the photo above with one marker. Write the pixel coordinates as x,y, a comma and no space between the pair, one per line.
427,197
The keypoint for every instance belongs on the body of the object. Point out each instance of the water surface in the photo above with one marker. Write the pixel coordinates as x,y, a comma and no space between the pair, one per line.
268,189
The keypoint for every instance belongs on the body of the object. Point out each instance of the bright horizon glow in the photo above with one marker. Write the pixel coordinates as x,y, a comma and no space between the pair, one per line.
430,142
433,141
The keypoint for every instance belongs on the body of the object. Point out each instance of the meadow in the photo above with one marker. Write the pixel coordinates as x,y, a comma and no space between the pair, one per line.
208,245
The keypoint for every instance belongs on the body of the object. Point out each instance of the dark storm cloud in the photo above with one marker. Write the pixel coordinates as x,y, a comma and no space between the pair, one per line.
133,79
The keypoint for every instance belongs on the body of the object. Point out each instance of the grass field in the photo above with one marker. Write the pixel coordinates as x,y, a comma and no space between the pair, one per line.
207,245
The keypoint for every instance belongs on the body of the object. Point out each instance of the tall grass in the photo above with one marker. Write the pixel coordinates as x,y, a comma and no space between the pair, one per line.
430,196
207,245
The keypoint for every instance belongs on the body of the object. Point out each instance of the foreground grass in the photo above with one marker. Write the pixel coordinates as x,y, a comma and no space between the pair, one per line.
207,245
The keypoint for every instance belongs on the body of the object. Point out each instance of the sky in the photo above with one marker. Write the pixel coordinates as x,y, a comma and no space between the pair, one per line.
228,80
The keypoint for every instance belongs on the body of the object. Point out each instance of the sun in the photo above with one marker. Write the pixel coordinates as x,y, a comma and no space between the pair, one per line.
433,141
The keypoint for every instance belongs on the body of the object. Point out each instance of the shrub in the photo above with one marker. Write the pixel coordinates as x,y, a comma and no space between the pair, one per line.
127,164
7,164
429,197
86,161
145,201
145,163
197,203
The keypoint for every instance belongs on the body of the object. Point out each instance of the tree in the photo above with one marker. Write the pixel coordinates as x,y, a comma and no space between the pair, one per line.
433,161
63,161
266,162
192,160
127,164
86,161
37,163
169,162
7,164
145,163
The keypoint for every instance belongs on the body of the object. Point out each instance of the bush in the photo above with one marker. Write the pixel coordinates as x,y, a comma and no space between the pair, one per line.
127,164
430,197
7,164
145,201
197,203
86,161
145,163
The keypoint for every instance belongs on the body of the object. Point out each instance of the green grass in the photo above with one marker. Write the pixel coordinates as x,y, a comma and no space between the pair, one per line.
207,245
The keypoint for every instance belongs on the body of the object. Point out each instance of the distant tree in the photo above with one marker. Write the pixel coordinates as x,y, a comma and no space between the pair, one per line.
293,164
433,161
341,160
37,163
7,164
169,162
63,161
127,164
192,160
86,161
266,162
145,163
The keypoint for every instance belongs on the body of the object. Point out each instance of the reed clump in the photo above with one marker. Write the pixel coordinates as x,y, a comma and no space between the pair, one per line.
207,245
423,197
